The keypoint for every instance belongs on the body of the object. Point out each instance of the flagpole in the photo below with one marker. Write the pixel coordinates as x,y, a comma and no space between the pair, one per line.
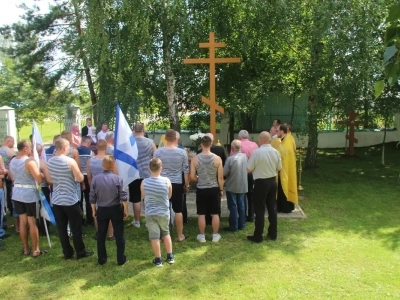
37,159
47,231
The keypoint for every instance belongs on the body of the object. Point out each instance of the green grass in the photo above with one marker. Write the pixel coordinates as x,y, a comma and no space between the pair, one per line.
347,248
48,130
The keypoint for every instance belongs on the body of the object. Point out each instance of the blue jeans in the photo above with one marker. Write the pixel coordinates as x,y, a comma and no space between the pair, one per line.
2,232
237,212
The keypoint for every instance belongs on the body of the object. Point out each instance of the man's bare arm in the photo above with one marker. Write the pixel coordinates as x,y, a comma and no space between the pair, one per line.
220,171
193,164
75,170
33,169
75,156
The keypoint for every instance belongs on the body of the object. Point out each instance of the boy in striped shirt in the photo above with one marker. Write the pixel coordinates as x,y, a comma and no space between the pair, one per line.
156,191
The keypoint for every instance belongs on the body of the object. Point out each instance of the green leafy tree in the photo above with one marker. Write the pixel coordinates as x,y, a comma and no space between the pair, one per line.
53,43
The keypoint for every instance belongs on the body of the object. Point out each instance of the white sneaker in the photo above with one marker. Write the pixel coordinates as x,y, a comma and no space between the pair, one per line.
216,237
201,238
136,224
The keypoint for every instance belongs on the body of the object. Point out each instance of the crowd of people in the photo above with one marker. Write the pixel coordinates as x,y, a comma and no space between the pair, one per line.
80,171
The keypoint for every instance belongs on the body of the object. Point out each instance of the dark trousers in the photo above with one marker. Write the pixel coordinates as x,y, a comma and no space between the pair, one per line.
86,192
283,205
184,207
184,210
115,214
265,196
72,215
9,187
250,204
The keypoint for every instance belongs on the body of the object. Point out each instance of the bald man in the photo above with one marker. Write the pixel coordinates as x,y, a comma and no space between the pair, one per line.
235,172
264,163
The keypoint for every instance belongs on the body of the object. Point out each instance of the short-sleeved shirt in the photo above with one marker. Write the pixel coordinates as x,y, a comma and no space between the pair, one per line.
145,154
50,152
174,163
235,170
84,154
247,147
264,162
101,135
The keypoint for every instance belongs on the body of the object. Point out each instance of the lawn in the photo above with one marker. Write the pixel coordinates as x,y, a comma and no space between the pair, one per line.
347,248
47,130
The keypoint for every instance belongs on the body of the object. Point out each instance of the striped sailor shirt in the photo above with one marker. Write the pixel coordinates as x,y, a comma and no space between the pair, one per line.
145,154
174,163
64,184
156,202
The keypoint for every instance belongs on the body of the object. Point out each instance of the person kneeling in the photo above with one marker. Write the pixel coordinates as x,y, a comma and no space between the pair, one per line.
156,192
107,193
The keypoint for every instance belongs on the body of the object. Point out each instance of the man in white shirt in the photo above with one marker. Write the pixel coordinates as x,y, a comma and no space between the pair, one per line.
264,163
102,134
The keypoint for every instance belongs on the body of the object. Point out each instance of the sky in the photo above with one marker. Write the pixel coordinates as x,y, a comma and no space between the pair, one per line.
10,13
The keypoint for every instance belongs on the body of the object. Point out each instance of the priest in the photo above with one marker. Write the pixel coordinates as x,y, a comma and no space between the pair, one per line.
287,181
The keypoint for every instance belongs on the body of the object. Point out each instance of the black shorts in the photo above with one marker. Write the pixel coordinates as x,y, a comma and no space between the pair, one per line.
25,208
177,197
135,196
208,201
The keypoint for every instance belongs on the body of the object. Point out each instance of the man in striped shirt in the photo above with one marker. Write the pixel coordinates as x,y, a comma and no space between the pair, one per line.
175,161
64,172
157,190
146,148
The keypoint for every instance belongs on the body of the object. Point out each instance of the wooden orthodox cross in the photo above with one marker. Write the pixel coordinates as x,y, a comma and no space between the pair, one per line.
351,122
212,60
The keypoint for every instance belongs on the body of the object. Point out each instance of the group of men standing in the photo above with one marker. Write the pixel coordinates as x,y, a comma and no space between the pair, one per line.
264,172
267,174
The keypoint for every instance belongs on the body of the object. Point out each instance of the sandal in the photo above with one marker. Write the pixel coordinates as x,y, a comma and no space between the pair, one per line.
184,239
41,252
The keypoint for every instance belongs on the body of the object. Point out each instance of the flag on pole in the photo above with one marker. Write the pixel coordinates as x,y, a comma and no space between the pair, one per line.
125,149
38,139
45,210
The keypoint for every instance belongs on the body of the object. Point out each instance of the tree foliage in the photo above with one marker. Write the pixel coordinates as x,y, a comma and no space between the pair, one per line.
50,48
329,51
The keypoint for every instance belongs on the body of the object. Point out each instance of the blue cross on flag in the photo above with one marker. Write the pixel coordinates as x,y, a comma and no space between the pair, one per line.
125,149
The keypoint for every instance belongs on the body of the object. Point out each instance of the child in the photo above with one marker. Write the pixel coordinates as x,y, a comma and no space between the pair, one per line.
108,194
156,192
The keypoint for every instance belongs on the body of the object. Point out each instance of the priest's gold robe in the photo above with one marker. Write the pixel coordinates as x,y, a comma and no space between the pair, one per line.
288,174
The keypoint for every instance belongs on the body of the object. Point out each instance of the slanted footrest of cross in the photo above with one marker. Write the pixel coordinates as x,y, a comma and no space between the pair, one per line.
212,104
